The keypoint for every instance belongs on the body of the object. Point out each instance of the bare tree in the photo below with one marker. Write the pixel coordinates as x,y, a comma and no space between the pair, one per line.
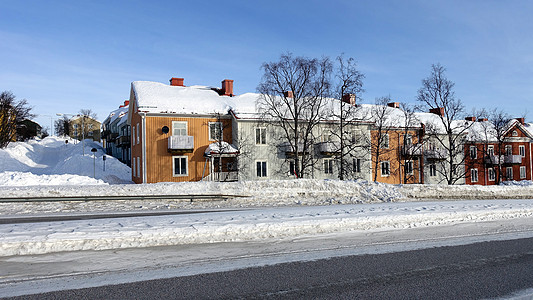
62,126
86,115
494,136
293,92
380,142
12,113
437,94
411,145
347,84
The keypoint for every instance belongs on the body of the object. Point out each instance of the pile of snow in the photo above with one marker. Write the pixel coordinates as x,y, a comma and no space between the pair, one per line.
59,161
248,225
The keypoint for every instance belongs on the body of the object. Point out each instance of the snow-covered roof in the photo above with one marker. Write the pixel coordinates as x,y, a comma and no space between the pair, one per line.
155,97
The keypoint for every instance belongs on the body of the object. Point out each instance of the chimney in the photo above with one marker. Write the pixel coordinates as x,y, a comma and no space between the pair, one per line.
349,98
176,81
482,119
126,103
394,104
227,87
288,94
521,120
437,110
471,119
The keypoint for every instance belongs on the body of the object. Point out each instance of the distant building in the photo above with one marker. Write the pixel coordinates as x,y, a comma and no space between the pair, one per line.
28,129
116,134
84,127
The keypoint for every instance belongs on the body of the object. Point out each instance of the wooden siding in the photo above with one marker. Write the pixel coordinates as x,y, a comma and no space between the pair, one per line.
159,162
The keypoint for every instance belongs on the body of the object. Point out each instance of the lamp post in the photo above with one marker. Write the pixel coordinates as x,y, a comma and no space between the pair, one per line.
93,150
51,127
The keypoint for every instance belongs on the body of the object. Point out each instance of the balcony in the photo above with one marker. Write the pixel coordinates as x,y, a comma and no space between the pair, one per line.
435,154
223,176
286,147
180,143
411,150
123,141
503,159
328,148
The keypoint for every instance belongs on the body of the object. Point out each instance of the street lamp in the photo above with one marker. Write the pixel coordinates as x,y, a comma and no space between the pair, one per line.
51,127
93,150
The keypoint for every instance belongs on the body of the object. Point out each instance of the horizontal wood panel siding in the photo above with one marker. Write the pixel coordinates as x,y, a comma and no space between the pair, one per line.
159,162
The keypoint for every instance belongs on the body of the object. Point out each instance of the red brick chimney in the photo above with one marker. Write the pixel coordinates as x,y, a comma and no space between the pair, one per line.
521,120
126,103
437,110
471,119
482,119
176,81
288,94
394,104
227,87
349,98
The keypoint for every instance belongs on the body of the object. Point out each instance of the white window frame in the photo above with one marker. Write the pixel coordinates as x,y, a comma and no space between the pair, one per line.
387,174
328,165
508,149
356,164
432,169
408,139
385,142
490,150
473,152
263,169
180,157
492,174
137,132
133,170
522,172
175,128
474,175
522,150
138,165
211,138
260,136
133,135
411,168
509,173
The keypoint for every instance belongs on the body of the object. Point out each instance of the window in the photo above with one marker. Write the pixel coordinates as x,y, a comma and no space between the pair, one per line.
133,135
409,167
215,131
522,172
473,175
138,166
490,150
522,150
432,170
179,128
515,133
137,133
261,168
75,133
292,168
408,139
90,126
328,166
357,165
385,168
473,152
508,149
260,136
180,166
385,141
492,174
75,126
133,168
509,173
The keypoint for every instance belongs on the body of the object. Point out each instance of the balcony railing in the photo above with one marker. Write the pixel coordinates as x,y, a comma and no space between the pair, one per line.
435,154
411,150
328,147
180,143
503,159
123,140
223,176
286,147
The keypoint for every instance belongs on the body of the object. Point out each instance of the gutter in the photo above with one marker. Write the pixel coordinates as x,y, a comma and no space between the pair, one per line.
143,120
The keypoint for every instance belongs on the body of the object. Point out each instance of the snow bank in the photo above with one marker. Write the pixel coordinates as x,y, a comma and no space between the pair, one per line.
51,161
249,225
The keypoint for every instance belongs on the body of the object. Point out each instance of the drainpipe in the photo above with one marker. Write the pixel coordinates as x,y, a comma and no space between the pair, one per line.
143,119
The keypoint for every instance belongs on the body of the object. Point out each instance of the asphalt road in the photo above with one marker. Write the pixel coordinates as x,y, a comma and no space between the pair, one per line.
481,270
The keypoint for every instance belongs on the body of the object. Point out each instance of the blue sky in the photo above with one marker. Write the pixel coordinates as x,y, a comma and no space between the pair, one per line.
63,56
